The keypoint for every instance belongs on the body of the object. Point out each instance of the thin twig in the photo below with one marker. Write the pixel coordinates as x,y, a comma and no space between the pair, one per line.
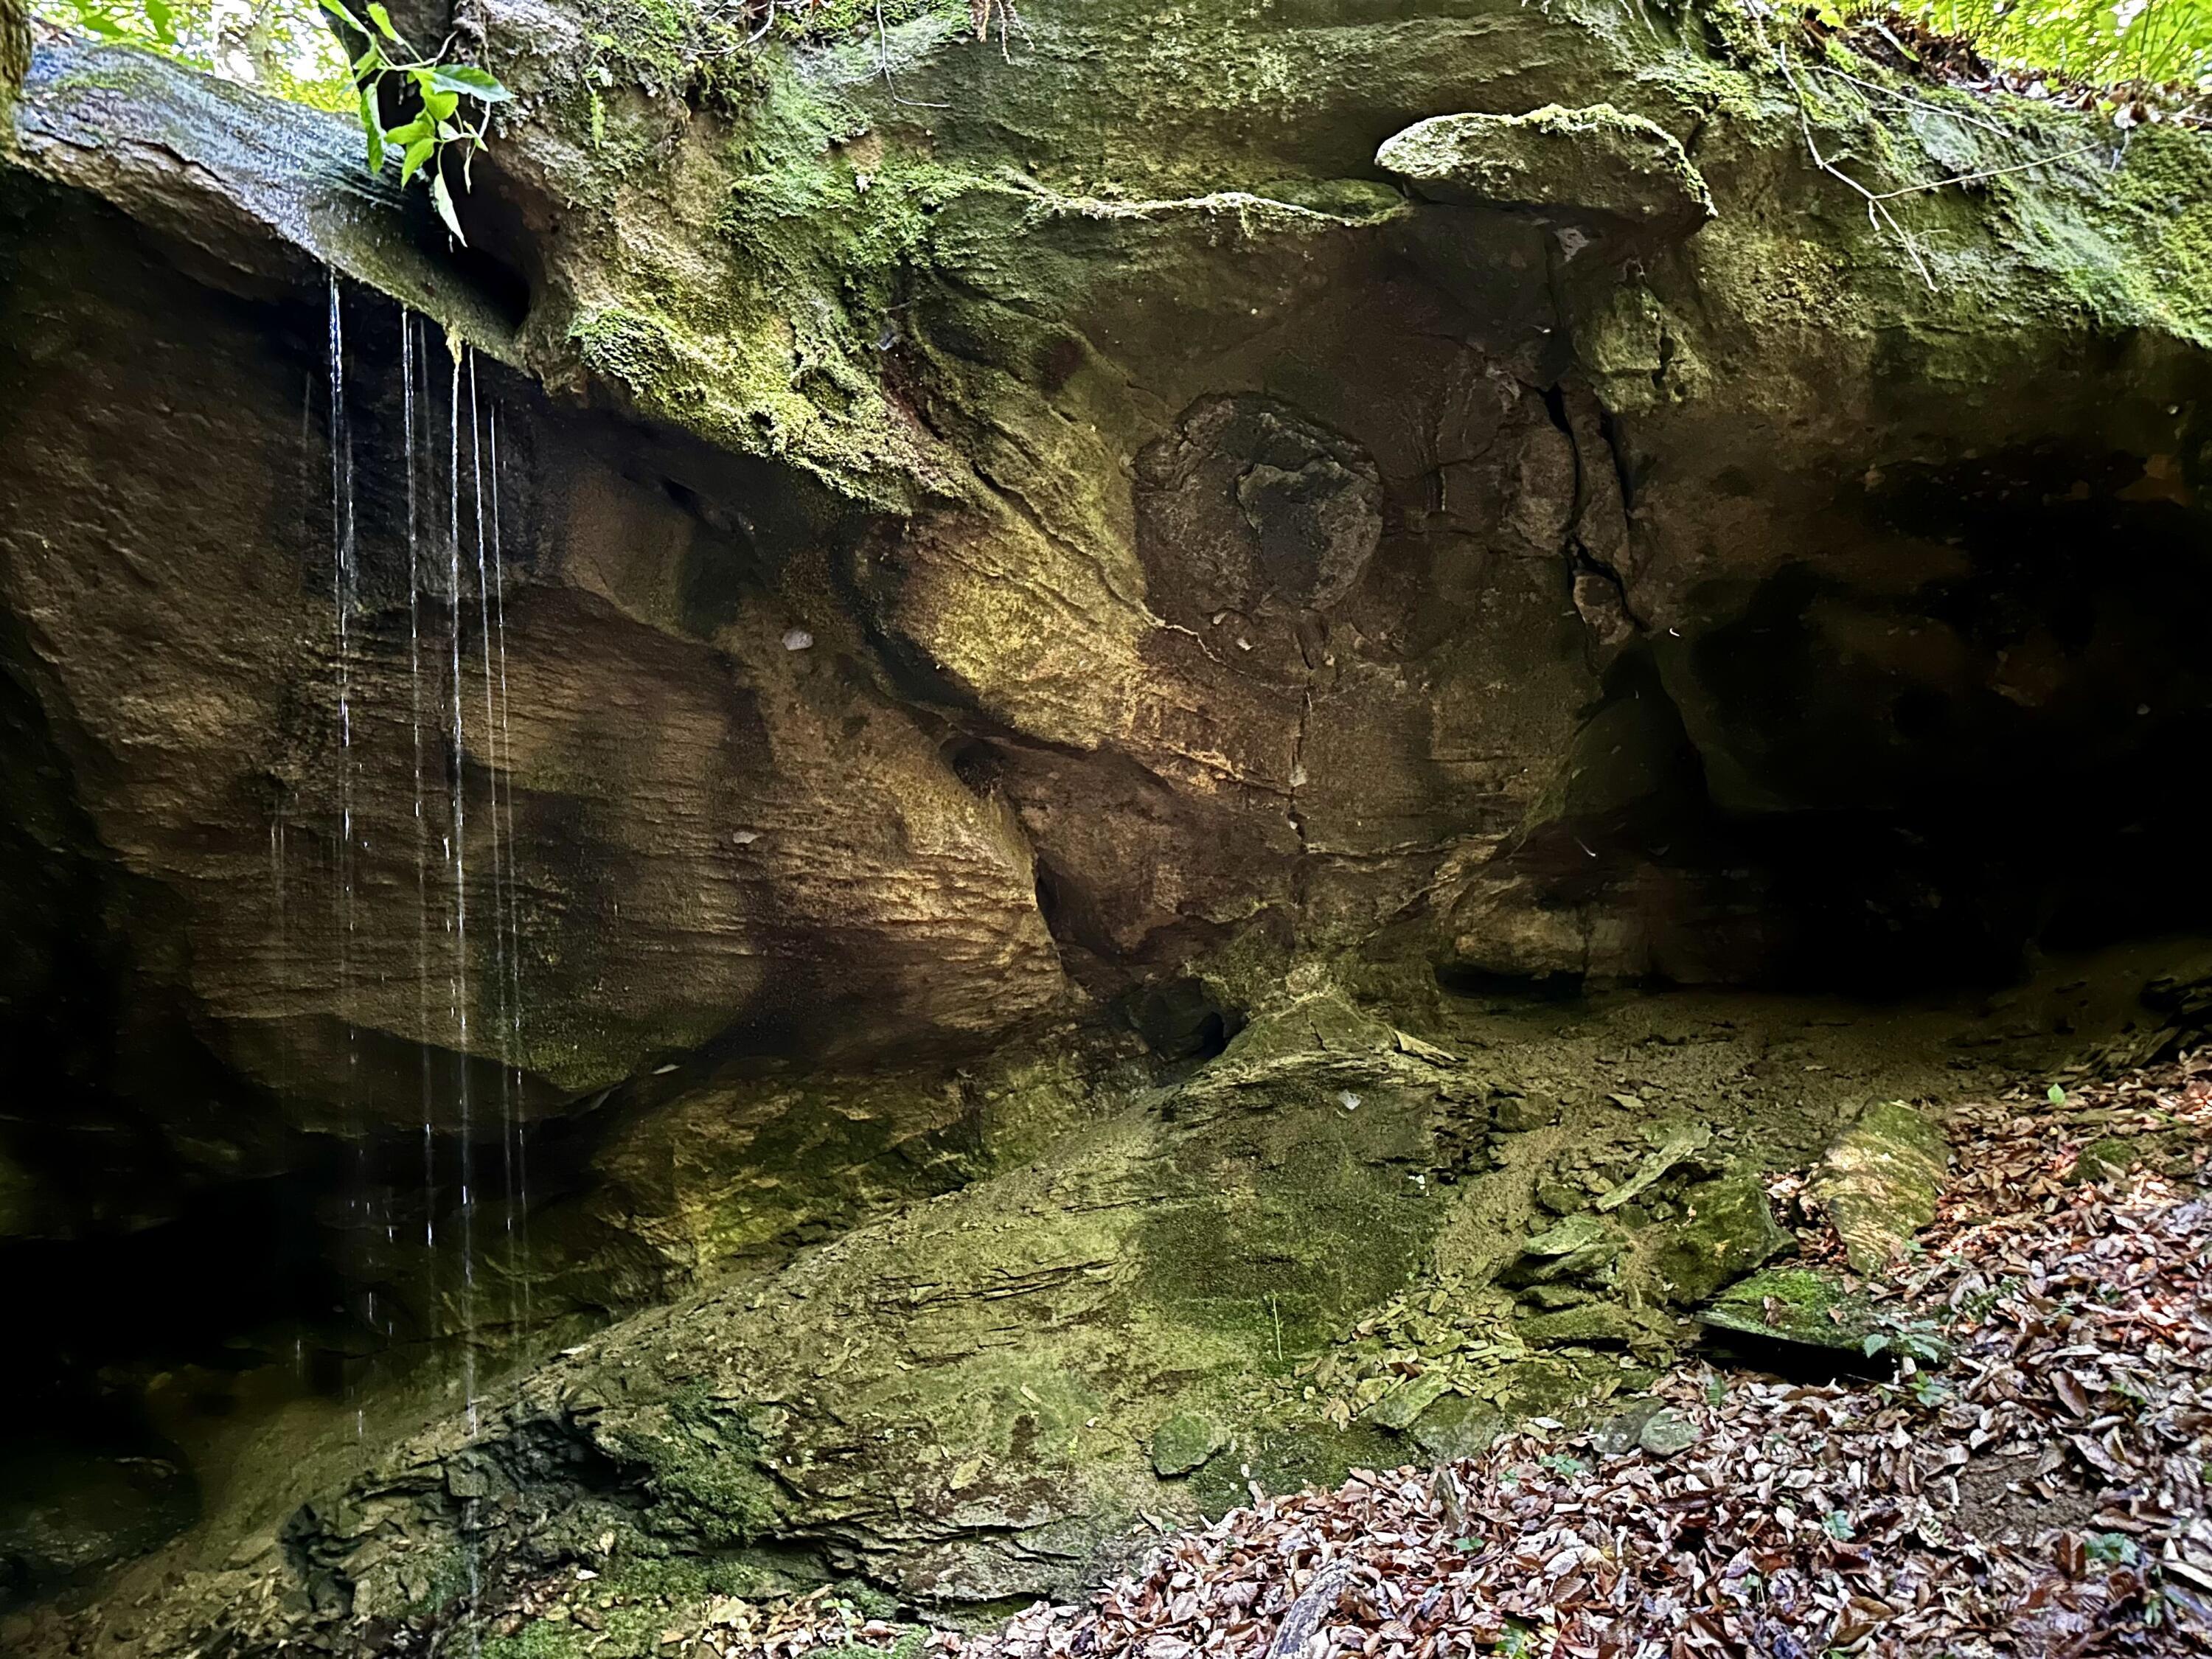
1875,203
883,62
1989,173
1916,103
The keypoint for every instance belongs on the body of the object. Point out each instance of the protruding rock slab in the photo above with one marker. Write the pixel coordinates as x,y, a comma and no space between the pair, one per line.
1879,1179
1794,1305
1596,160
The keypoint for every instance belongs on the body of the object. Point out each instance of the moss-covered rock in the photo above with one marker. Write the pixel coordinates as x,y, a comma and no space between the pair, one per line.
963,1397
1794,1305
1185,1440
2113,1157
1597,160
1726,1230
14,62
1879,1179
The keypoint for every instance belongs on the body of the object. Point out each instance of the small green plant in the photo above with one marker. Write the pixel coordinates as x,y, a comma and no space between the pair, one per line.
1915,1340
2112,1549
1560,1464
1837,1523
438,88
2094,41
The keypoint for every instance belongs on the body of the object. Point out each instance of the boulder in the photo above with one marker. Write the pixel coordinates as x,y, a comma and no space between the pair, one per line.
1185,1440
1597,160
1879,1179
1727,1230
1794,1305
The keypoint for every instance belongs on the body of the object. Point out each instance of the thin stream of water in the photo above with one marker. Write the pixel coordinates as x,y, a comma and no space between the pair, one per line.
345,593
343,583
415,455
460,987
503,777
492,759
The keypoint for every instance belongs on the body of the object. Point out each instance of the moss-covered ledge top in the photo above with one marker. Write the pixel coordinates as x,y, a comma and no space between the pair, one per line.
1598,160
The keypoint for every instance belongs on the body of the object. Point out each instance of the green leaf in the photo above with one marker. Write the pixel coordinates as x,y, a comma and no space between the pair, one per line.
164,20
440,105
372,129
417,153
2055,1095
408,133
443,199
338,9
382,19
468,79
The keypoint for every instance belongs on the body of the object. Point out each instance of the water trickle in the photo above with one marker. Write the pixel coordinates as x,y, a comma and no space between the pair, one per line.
341,597
344,595
416,454
460,922
503,778
492,765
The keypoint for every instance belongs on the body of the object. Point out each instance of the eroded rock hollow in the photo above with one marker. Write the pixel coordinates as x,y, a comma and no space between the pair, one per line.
871,847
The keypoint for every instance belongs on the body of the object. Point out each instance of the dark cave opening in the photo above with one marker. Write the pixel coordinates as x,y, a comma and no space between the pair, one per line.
1927,773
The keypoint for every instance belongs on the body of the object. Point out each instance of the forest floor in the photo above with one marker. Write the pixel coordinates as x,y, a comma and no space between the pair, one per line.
2014,1461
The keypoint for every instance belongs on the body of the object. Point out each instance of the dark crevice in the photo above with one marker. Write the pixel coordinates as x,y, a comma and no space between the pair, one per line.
1575,549
1616,449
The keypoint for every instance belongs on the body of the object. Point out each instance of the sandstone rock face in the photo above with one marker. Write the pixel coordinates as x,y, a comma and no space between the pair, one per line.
888,566
1183,567
652,779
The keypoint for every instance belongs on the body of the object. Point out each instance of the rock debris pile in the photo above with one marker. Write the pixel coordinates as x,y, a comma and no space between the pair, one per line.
2011,1460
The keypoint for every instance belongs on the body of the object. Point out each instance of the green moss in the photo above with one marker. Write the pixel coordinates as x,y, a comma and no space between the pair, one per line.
819,201
1728,1229
653,43
1331,1229
1793,1304
1597,158
2110,1157
1879,1179
703,1461
2164,182
1185,1440
1285,1460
